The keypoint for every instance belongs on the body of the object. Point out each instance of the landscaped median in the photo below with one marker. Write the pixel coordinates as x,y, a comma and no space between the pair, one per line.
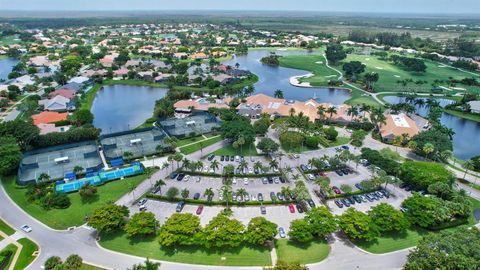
150,248
304,253
79,209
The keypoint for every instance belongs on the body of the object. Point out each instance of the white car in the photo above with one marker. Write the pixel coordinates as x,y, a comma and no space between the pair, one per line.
275,169
205,169
198,179
254,198
237,158
186,178
220,197
310,176
26,228
234,181
245,181
250,170
276,180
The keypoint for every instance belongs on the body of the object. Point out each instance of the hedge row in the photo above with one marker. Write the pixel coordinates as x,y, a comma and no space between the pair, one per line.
192,201
221,175
451,224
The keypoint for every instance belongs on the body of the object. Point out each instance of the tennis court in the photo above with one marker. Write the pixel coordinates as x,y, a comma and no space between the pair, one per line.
199,123
75,185
57,161
140,143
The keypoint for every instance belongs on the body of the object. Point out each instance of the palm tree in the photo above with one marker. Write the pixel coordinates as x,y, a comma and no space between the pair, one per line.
77,170
214,165
159,183
185,193
257,165
226,191
199,164
278,93
273,164
208,192
243,165
468,165
296,177
165,165
288,170
364,109
186,163
43,177
412,145
242,193
428,148
446,155
321,112
286,191
331,110
397,141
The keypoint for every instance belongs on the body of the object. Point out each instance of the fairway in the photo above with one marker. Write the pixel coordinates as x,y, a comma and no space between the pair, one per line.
315,63
149,247
313,252
74,215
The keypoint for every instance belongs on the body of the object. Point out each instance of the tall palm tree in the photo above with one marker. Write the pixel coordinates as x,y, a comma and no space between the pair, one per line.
257,165
331,110
214,165
226,191
273,164
159,183
364,109
321,112
165,165
428,148
208,192
243,165
242,193
186,163
468,165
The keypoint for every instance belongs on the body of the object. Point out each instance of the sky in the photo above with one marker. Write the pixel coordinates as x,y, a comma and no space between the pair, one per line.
378,6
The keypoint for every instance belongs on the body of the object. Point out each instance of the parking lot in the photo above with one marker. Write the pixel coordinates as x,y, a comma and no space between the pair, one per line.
397,196
278,214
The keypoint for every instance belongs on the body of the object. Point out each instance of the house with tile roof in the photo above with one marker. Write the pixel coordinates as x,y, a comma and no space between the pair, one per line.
398,125
48,117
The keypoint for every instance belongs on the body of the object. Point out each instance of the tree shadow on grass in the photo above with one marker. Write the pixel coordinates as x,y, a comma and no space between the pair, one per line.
90,200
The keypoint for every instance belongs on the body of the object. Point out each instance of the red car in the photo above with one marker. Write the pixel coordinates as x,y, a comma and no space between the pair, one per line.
323,174
291,208
199,209
336,190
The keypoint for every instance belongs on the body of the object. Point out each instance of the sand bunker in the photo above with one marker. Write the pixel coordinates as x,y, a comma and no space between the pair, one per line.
396,76
378,67
319,62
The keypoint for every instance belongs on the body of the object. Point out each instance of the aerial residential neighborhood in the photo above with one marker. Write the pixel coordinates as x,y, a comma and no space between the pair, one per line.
239,136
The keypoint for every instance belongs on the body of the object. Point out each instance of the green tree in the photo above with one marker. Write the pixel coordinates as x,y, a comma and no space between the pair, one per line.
259,231
184,193
358,225
52,262
172,192
353,68
300,231
71,64
180,229
108,218
141,224
149,265
282,265
387,218
73,262
335,53
321,221
223,232
87,191
267,145
10,155
24,132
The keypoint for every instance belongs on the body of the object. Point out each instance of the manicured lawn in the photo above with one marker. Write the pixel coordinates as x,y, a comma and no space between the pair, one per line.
340,141
149,247
469,116
315,63
189,140
89,267
26,255
395,241
229,150
196,147
5,228
312,252
76,213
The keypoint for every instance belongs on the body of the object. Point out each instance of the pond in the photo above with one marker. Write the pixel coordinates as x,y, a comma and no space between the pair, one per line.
467,132
6,65
123,107
273,78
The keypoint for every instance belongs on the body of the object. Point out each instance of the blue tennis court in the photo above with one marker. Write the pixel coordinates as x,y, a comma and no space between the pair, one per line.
72,186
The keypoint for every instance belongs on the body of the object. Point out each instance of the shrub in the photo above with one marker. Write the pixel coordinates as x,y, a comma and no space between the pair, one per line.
331,134
312,141
291,140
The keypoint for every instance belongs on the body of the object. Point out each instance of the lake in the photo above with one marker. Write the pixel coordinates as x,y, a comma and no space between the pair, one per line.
467,132
123,107
6,65
273,78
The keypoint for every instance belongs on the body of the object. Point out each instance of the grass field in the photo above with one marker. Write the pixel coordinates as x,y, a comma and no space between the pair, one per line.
13,248
390,74
26,255
190,140
9,40
229,150
196,146
5,228
89,267
76,213
469,116
312,252
149,247
394,242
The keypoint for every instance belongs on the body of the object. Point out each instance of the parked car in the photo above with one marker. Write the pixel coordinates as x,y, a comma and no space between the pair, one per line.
264,180
180,206
310,176
173,175
242,158
280,196
142,202
276,180
263,210
345,202
250,170
282,180
222,158
270,180
281,232
142,208
339,172
234,196
303,167
299,208
227,158
385,193
345,147
234,181
273,197
291,208
186,178
199,209
336,190
245,181
256,170
180,177
232,158
323,174
211,157
350,200
369,197
359,186
196,196
338,203
357,199
198,179
311,203
260,197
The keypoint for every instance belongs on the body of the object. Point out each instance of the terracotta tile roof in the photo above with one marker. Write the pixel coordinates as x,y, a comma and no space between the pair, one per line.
67,93
396,125
48,117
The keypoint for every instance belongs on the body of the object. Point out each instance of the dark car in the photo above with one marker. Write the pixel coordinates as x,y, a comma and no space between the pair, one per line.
351,200
227,158
280,196
340,173
273,196
345,171
282,180
311,203
339,204
242,158
260,197
211,157
345,147
303,167
359,186
180,177
357,199
299,208
369,198
256,170
173,175
199,209
232,158
180,206
374,196
263,210
222,158
345,202
196,196
270,180
385,193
